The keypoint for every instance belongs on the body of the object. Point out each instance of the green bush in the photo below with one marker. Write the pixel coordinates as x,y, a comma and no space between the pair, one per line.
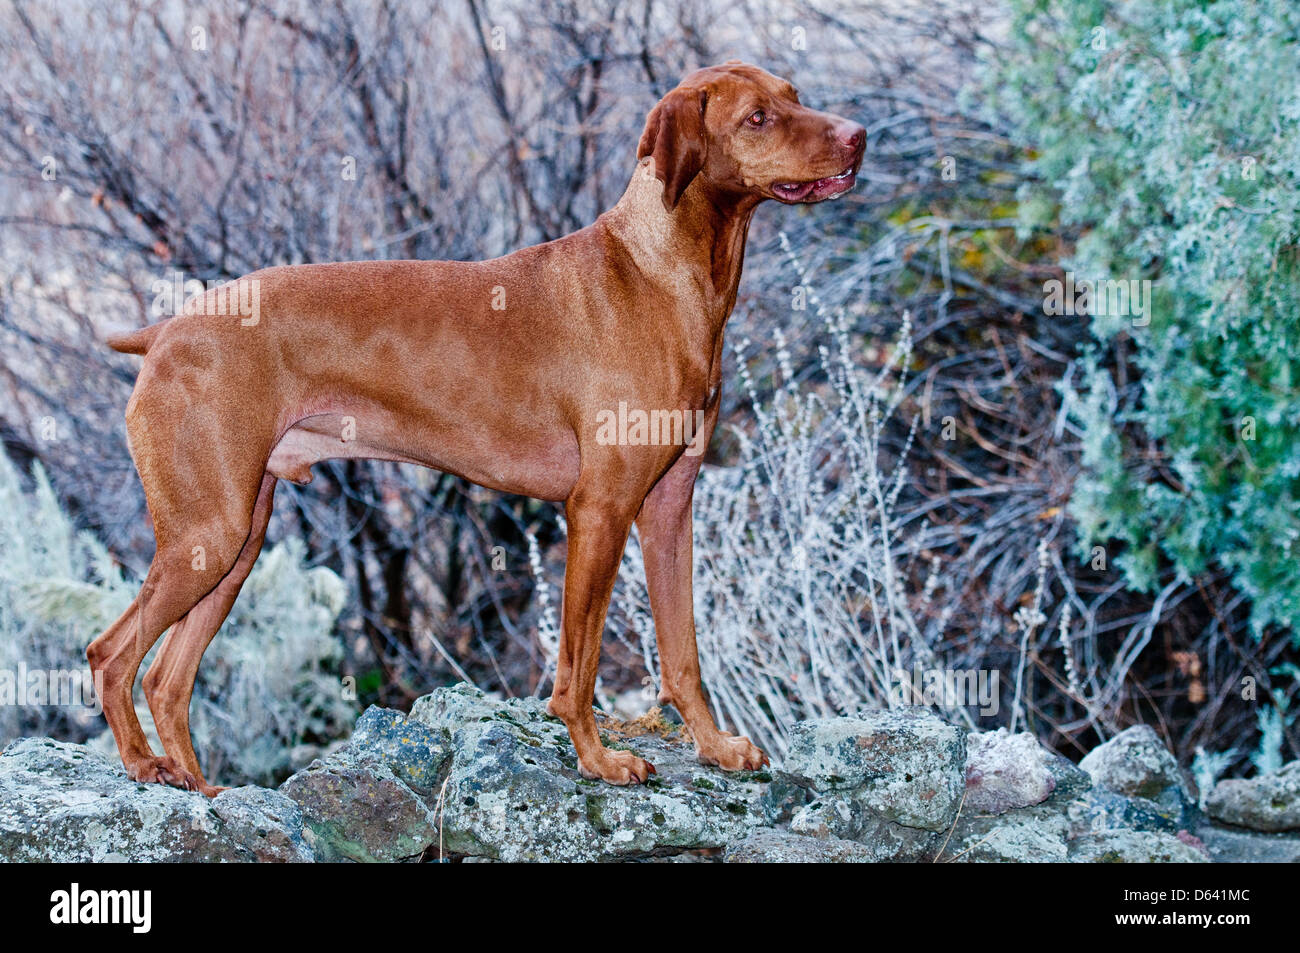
1166,137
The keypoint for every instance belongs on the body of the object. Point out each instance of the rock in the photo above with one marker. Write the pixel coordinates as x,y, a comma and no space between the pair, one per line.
372,801
1270,802
832,817
414,752
268,822
445,709
889,780
1134,847
783,797
482,779
710,856
768,846
905,765
1005,771
1237,847
1134,763
64,803
513,791
1102,810
1023,835
835,818
355,808
1070,780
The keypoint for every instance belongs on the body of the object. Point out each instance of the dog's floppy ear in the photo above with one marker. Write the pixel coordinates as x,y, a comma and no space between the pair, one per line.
674,135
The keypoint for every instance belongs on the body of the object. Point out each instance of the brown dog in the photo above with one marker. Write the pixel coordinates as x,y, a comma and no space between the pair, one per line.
499,371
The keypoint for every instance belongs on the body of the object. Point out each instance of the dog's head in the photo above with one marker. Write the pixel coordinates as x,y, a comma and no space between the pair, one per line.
742,130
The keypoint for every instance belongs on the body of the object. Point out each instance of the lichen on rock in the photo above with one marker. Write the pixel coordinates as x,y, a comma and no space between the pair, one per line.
469,777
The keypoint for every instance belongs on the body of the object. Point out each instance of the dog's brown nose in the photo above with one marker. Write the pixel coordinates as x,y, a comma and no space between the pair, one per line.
851,135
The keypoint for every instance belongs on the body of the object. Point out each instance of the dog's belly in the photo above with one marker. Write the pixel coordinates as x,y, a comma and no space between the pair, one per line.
545,470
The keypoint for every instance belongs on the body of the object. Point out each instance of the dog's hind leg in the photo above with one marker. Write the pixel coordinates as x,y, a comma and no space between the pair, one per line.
187,566
169,683
171,589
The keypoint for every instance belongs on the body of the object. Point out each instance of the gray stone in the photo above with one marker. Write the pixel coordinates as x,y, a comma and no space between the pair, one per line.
513,790
769,846
1070,780
355,808
711,856
1135,847
64,803
1270,802
268,822
838,818
1023,835
446,709
470,776
906,765
830,816
1134,763
1102,810
414,752
1228,846
1005,771
784,796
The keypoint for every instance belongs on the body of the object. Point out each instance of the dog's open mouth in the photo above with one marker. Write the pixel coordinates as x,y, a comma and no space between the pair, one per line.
817,189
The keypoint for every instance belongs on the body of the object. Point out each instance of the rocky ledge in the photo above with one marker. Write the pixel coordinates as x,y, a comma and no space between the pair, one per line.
467,777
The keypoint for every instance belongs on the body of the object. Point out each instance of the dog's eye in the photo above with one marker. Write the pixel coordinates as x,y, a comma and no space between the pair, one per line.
757,118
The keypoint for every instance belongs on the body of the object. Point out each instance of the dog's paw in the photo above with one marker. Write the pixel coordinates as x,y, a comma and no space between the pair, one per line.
731,753
615,767
162,771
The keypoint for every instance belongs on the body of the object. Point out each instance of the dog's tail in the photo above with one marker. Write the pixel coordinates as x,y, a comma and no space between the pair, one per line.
135,342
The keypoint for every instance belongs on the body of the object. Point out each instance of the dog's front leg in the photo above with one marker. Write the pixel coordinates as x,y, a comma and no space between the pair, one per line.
665,527
598,530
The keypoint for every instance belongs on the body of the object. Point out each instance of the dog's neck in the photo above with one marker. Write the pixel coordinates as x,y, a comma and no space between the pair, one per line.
705,232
